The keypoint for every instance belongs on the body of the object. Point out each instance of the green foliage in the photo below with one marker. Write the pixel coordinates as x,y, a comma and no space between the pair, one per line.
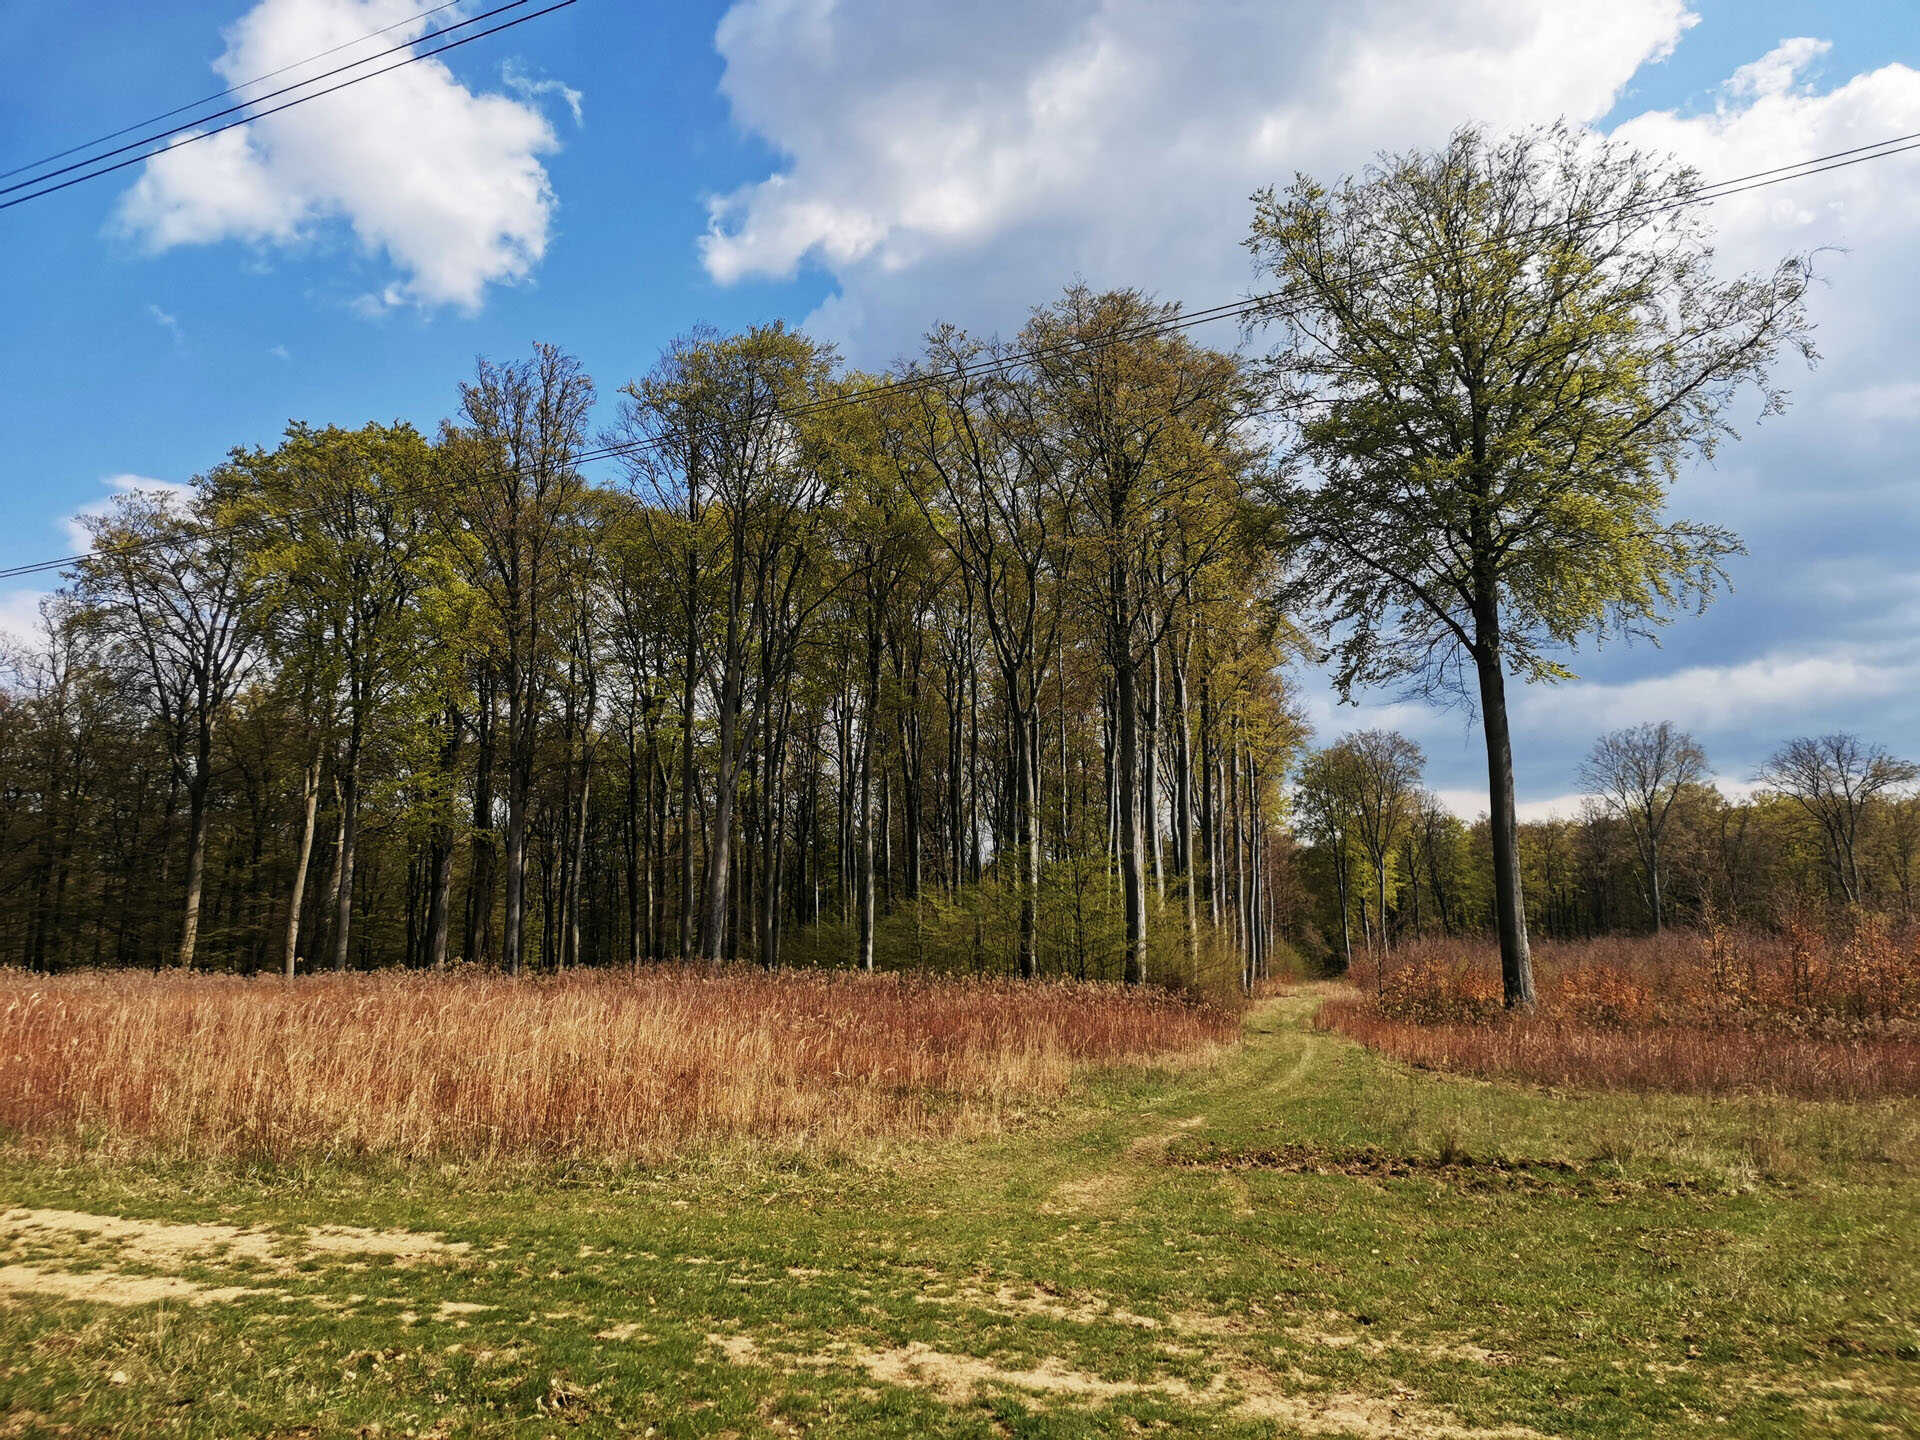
1503,352
1080,934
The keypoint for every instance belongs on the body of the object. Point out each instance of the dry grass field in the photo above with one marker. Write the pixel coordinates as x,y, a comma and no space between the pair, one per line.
597,1066
1801,1013
1297,1237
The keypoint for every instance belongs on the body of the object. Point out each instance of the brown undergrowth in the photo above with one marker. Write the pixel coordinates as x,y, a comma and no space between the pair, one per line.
587,1066
1802,1012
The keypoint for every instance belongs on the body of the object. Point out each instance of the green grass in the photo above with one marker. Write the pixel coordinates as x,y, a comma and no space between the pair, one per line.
1304,1238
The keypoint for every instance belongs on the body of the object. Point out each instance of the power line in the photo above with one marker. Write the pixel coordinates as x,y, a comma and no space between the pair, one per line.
1179,321
249,104
287,105
230,90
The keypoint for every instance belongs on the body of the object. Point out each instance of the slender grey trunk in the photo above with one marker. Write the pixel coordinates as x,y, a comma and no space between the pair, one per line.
196,867
303,858
1133,879
349,846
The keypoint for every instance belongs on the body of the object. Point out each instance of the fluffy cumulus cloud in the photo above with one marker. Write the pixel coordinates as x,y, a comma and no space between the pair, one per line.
963,162
442,184
981,155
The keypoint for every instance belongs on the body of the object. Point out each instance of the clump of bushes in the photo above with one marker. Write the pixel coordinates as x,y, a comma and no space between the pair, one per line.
1802,1011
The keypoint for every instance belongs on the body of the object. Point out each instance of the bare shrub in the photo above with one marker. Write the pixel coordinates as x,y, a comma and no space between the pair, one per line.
1801,1012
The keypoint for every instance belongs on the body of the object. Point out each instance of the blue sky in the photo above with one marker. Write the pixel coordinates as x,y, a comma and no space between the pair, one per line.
866,168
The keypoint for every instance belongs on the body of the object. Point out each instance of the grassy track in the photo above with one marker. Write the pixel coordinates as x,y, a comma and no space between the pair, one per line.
1302,1239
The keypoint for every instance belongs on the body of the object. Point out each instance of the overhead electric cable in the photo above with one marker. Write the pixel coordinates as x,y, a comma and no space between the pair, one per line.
197,135
230,90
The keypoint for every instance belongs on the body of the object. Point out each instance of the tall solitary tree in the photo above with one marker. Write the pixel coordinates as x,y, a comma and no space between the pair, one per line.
1500,355
1639,773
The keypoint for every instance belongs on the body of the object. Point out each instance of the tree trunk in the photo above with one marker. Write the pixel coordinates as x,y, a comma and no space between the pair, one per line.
196,865
1208,867
576,868
477,942
864,802
1133,878
1510,912
1150,768
1346,901
1183,802
349,847
438,901
725,789
1653,878
303,858
514,919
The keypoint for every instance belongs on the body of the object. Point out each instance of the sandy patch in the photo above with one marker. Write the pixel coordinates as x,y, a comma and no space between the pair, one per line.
1340,1412
450,1308
166,1242
160,1242
1143,1146
958,1379
625,1330
399,1244
109,1287
1455,1352
1036,1300
167,1245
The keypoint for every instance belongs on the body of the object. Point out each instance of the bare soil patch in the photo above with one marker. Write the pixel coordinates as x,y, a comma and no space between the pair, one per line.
111,1287
168,1242
961,1379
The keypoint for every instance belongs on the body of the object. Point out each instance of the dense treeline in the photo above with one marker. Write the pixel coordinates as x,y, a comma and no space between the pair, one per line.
978,661
1833,826
975,665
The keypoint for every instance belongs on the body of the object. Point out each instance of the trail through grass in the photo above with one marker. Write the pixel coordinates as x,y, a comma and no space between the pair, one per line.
1303,1239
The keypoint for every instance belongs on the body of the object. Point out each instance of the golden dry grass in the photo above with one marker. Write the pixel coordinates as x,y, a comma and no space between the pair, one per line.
601,1066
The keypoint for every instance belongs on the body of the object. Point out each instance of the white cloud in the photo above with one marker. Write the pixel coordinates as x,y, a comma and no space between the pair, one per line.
1775,72
1470,805
74,525
1770,689
20,616
525,86
962,162
1898,402
444,183
168,323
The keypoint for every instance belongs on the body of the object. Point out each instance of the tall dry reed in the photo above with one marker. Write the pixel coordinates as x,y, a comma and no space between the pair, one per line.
1801,1012
600,1066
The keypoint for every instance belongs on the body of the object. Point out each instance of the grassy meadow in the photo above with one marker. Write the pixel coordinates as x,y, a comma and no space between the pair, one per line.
1142,1230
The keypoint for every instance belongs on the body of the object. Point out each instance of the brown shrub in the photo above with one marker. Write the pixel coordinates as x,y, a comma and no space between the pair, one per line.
1430,988
1800,1012
586,1066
